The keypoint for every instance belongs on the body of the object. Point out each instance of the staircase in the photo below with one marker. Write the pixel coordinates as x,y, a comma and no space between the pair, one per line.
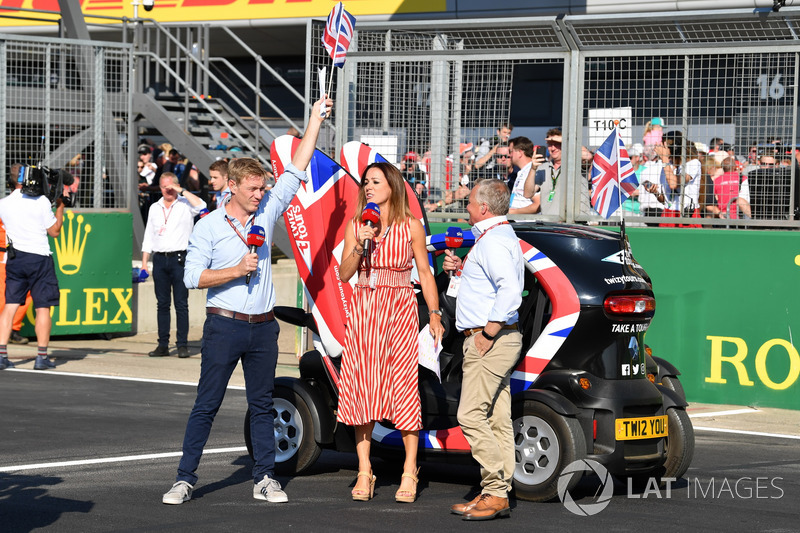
172,102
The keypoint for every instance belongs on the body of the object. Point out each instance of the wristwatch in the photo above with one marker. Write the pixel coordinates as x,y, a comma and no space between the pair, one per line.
182,191
435,312
487,336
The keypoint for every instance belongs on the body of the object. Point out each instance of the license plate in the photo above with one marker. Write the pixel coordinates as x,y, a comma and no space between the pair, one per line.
649,427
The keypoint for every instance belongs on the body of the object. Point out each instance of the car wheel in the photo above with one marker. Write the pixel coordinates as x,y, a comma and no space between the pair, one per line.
545,442
679,443
674,384
295,447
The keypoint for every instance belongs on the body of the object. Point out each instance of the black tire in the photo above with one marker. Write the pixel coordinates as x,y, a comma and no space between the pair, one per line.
679,443
295,447
674,384
545,442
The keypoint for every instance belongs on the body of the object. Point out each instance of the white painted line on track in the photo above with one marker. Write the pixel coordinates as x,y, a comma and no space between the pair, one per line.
724,413
121,459
745,432
119,378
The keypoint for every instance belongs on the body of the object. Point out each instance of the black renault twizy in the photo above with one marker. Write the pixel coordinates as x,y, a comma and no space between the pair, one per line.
585,386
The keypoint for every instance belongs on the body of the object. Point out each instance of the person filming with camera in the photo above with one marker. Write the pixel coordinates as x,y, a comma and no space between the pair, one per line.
29,220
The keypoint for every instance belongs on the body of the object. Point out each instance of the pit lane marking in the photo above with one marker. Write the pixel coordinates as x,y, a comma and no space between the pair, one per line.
724,413
121,459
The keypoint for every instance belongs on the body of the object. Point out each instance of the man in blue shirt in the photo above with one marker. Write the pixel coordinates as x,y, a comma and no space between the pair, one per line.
240,323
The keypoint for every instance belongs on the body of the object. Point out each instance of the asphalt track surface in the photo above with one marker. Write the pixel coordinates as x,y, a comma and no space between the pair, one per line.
92,454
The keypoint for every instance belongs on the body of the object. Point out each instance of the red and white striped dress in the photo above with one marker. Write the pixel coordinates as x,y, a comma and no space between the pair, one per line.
381,351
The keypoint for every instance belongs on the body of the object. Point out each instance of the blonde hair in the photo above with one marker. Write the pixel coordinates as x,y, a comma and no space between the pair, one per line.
245,167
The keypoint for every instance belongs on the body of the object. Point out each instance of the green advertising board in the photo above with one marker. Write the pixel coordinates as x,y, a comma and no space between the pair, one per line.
93,264
725,302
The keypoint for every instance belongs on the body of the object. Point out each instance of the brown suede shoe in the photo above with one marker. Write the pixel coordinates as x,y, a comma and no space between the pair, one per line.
461,508
487,508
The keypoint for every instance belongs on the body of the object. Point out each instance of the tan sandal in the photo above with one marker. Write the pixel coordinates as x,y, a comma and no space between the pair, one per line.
408,496
362,495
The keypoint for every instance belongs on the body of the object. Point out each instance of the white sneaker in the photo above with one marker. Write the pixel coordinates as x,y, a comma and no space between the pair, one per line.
270,490
179,493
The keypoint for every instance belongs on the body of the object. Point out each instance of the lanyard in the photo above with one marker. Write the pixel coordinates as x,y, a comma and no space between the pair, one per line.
167,212
464,262
247,223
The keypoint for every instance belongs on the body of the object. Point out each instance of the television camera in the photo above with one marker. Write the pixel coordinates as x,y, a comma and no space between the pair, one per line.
44,181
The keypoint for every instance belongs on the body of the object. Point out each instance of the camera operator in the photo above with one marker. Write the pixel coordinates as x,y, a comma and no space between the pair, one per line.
29,220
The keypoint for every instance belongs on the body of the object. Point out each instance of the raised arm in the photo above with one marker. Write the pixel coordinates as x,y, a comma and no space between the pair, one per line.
302,157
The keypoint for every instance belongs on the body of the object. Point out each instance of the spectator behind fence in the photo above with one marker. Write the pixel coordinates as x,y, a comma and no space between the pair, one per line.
166,236
524,188
654,187
732,191
549,185
653,132
771,190
501,169
218,179
487,147
29,221
692,172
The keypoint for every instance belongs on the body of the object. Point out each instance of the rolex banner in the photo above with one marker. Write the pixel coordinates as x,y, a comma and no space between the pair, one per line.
92,256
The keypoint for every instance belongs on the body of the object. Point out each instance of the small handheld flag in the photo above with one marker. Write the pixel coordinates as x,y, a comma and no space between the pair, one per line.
612,175
337,36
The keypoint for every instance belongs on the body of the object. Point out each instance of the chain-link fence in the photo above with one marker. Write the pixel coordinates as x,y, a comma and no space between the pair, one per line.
65,104
722,85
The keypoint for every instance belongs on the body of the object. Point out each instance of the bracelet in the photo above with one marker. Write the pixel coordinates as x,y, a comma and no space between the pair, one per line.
355,251
487,336
435,312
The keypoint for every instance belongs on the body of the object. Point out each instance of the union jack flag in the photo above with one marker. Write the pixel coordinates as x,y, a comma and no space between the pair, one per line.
613,178
338,34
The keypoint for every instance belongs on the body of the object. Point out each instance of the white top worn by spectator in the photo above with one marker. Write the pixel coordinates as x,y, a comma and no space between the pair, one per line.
16,211
654,173
693,171
518,198
484,275
168,228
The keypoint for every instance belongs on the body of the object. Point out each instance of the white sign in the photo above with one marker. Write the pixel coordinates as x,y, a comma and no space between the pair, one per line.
603,121
386,145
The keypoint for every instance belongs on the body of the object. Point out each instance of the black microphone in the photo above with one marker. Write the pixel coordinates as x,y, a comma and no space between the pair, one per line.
255,238
370,216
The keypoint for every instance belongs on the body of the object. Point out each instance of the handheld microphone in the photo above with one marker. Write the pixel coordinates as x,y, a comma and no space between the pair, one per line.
255,238
370,216
453,238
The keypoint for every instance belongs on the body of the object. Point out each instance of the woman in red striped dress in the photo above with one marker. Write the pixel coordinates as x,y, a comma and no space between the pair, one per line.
381,351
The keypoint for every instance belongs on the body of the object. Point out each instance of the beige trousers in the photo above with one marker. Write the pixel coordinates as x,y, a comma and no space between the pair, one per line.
484,411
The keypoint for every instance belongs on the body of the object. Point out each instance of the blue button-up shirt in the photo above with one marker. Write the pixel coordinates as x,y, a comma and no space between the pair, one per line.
493,278
215,245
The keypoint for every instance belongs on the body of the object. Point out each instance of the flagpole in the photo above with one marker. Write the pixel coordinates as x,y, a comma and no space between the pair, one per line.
335,48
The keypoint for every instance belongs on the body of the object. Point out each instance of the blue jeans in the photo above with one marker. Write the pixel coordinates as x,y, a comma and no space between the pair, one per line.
168,277
225,341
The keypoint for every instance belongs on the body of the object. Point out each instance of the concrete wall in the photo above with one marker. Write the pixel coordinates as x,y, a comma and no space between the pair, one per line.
284,278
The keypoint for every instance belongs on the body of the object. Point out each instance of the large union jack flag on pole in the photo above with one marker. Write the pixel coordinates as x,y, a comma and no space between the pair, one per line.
338,34
613,178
